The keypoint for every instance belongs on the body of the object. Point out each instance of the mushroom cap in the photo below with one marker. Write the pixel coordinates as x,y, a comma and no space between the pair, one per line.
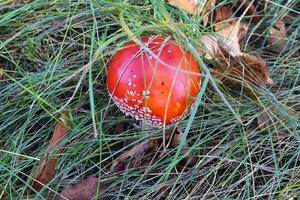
159,89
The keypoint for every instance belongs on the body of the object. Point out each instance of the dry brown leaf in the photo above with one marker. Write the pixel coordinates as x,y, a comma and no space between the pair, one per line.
251,69
250,9
202,7
223,14
278,37
145,153
136,153
48,164
189,6
241,72
142,154
85,189
228,35
235,69
207,11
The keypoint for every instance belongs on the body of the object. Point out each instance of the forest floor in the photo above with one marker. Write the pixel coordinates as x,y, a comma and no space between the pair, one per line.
61,135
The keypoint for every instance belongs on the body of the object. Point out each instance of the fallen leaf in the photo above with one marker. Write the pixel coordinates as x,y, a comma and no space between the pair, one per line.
248,6
242,72
234,68
230,31
189,6
227,38
48,165
223,13
202,7
207,11
228,34
85,189
278,37
136,153
248,68
142,154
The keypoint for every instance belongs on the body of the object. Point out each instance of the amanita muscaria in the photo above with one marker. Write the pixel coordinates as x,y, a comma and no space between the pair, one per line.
157,82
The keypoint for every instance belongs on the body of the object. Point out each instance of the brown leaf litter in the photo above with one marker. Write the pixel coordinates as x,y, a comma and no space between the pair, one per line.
278,37
242,72
228,34
233,68
194,7
48,164
144,154
135,157
138,155
85,189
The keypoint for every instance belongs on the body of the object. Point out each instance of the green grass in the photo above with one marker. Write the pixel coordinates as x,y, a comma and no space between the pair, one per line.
55,54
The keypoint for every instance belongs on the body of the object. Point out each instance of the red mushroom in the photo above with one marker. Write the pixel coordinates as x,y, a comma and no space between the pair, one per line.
157,83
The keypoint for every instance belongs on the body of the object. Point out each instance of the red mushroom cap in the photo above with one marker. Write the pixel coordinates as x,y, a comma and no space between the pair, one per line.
159,89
